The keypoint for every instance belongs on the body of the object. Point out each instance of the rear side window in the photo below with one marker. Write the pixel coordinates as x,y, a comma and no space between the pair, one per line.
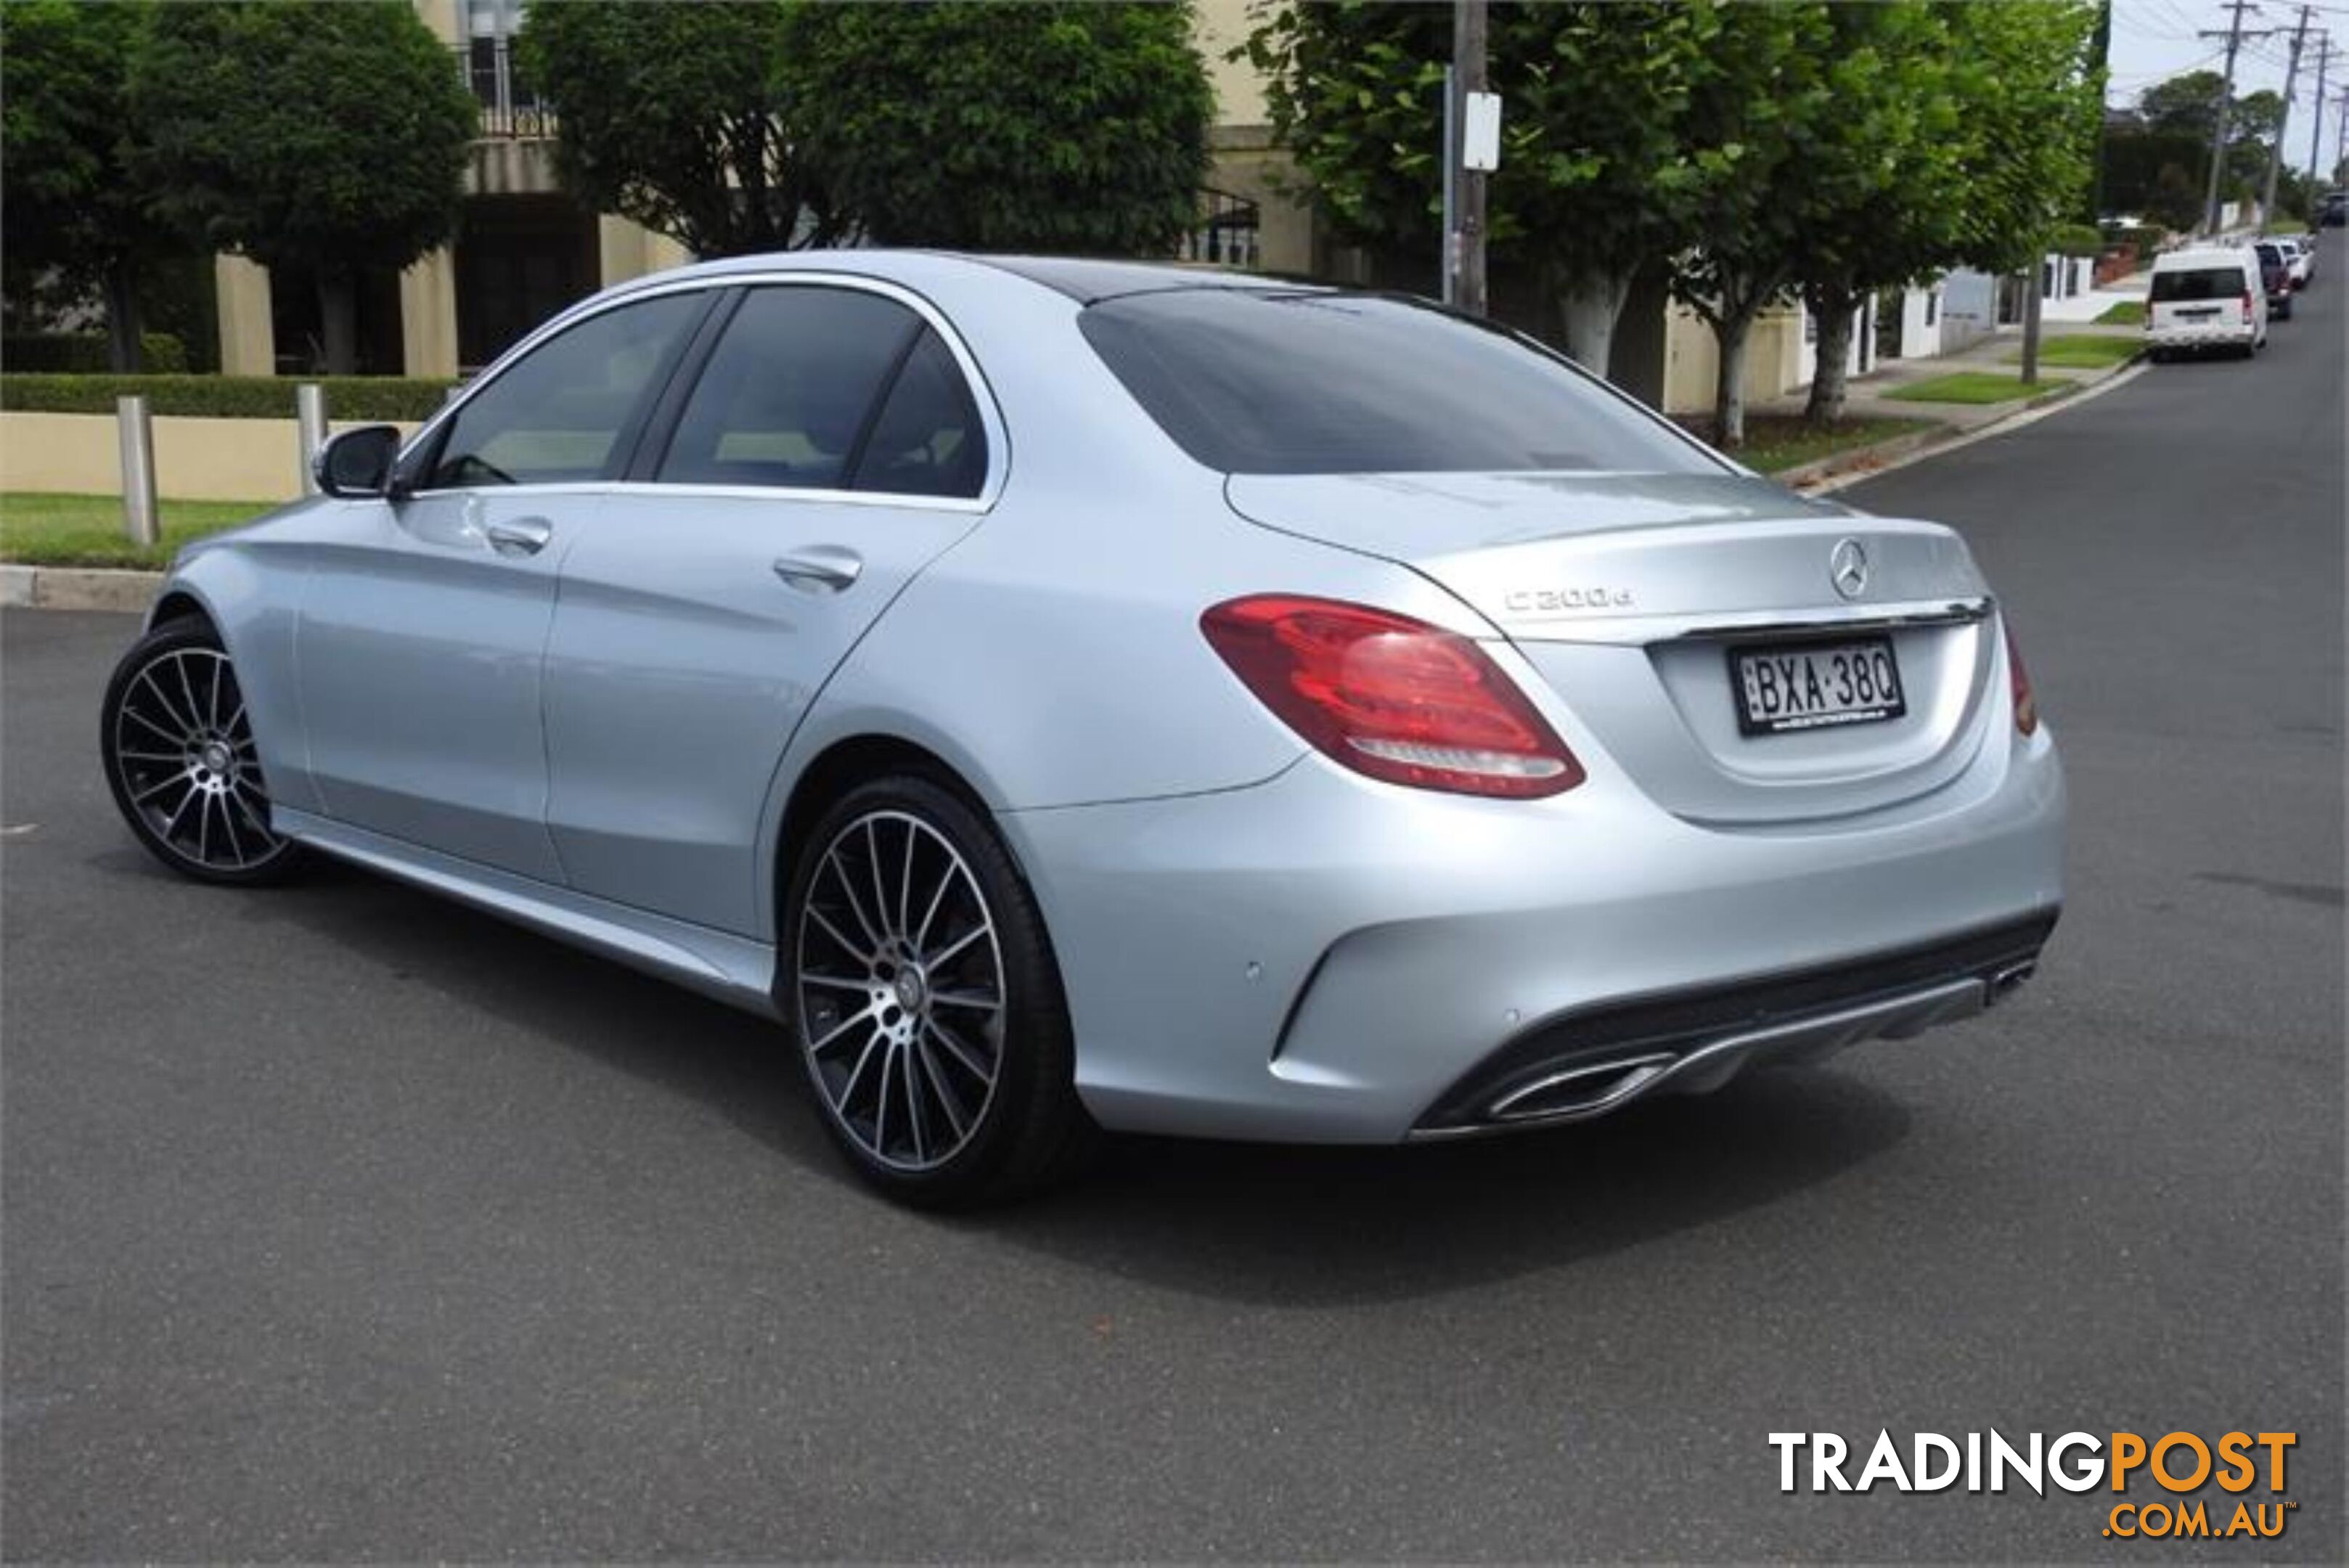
928,440
2200,283
785,397
1275,381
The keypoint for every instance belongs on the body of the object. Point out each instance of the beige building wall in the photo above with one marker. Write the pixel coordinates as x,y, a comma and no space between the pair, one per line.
445,17
428,315
248,339
627,249
1218,28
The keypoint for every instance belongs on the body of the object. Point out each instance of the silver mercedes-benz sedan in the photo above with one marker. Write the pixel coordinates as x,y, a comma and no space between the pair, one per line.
1070,695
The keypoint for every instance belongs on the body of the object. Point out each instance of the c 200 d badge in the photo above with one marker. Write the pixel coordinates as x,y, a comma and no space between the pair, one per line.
1536,601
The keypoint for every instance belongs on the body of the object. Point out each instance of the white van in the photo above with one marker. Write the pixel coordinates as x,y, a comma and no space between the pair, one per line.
2206,298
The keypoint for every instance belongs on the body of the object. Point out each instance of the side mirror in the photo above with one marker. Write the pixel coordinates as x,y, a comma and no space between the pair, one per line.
357,464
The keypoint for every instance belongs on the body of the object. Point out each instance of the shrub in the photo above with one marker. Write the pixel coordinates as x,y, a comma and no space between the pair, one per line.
85,352
392,398
2076,240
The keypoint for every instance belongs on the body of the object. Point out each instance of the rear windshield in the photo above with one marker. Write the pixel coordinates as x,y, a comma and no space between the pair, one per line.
1274,382
2202,283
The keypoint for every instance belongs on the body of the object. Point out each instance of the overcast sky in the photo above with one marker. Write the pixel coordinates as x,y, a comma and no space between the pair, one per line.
2156,38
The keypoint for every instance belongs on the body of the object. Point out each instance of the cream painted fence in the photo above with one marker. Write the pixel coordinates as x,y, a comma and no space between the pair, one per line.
195,458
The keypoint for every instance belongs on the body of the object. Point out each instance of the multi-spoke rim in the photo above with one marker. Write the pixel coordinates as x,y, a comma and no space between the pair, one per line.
184,755
901,990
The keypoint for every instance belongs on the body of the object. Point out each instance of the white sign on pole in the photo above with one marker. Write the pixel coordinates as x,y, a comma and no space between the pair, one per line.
1480,142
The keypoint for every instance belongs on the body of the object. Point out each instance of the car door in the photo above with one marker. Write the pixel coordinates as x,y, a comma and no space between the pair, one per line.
423,625
828,438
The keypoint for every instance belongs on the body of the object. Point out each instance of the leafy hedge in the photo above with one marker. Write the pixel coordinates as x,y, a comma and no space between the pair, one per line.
85,352
394,398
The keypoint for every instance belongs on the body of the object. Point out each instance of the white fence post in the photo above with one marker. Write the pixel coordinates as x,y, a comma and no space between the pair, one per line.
309,430
136,433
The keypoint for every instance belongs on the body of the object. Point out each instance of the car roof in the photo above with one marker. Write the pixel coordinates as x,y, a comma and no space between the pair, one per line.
1089,281
1085,280
2206,255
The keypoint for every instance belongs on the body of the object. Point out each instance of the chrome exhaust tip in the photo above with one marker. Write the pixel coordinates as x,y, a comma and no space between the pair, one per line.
1587,1090
2006,981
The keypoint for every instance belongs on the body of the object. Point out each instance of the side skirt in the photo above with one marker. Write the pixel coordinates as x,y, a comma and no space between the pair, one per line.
730,968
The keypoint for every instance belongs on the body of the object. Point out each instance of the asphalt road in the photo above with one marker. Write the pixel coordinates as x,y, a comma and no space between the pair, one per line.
340,1222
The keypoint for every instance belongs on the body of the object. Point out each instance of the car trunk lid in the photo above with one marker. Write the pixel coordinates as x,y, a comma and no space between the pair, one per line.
1633,595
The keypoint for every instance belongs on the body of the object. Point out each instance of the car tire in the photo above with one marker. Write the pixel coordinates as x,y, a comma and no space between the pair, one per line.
182,762
926,1005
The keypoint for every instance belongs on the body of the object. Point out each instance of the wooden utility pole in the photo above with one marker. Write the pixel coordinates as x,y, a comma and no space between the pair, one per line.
2316,114
2275,153
1468,76
2234,35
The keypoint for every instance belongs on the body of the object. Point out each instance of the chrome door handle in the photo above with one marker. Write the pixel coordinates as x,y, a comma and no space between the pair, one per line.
819,568
519,536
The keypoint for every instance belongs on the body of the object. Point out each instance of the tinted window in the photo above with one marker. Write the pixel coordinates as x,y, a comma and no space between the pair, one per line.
1271,382
2202,283
928,440
785,395
556,414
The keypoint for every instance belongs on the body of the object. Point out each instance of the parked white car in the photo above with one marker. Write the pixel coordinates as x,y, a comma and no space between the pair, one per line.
2298,255
2208,298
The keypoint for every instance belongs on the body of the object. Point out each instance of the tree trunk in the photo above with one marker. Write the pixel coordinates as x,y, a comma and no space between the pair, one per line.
338,325
1833,307
1590,304
125,353
1729,333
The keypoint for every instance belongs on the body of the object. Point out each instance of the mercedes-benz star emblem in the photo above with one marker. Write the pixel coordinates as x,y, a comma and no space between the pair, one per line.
1849,566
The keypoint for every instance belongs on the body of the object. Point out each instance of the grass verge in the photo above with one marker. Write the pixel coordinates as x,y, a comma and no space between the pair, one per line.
1973,387
2083,351
1774,443
2128,313
87,530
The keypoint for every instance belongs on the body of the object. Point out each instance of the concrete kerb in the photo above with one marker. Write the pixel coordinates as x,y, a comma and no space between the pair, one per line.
78,588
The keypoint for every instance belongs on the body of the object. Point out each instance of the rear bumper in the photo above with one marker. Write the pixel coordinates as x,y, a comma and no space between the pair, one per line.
1322,958
2228,335
1592,1063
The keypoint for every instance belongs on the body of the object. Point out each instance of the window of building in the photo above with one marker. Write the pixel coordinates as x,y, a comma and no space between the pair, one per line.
1229,233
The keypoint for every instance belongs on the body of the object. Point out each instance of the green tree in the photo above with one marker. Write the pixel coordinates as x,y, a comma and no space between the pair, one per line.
689,118
2026,77
2187,104
2021,75
75,206
1599,175
1881,185
742,127
1012,127
1763,105
321,139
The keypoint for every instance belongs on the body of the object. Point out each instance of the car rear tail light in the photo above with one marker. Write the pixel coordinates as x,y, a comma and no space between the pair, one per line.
2018,683
2247,305
1391,697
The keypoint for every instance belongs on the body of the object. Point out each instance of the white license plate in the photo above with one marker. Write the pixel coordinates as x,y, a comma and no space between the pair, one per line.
1815,685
